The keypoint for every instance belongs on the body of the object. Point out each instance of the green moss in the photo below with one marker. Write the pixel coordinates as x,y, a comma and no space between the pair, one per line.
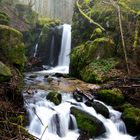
6,30
48,22
131,117
5,72
54,97
4,18
88,52
20,119
87,123
11,46
112,97
99,71
125,105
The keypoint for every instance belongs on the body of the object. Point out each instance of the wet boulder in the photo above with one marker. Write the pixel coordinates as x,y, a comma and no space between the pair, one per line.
77,95
54,97
99,107
87,123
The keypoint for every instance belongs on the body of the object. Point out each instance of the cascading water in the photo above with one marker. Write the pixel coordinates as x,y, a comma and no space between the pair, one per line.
51,122
36,46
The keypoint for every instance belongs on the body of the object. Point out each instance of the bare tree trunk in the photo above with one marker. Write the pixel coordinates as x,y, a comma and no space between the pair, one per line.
122,38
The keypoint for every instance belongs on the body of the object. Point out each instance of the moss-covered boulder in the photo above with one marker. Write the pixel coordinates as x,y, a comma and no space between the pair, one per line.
92,61
5,72
111,96
4,18
88,123
54,97
99,71
99,107
11,46
131,117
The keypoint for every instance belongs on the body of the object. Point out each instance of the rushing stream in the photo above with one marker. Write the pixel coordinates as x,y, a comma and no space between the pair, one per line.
48,121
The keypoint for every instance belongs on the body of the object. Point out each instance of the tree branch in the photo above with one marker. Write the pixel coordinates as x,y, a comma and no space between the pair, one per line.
87,17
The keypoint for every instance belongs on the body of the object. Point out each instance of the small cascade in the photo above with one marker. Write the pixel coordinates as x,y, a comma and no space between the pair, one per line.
36,46
72,123
49,122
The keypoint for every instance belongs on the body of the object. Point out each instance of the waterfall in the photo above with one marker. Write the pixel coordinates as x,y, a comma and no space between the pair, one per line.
64,55
64,58
36,46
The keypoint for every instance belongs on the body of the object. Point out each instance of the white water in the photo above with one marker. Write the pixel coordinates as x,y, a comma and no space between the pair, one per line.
64,59
50,122
36,46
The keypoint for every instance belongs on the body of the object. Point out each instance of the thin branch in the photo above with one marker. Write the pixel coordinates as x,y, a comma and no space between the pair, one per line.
90,20
34,112
43,132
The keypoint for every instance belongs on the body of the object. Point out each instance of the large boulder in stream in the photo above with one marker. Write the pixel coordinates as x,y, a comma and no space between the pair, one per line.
99,107
88,123
54,97
131,117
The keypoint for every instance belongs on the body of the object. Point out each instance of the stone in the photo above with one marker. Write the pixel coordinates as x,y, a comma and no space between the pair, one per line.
99,107
54,97
131,117
87,123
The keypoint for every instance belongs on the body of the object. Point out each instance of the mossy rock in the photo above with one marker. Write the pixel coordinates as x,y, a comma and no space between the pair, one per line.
88,123
131,117
5,72
99,107
111,96
54,97
12,47
100,70
88,52
48,22
4,18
